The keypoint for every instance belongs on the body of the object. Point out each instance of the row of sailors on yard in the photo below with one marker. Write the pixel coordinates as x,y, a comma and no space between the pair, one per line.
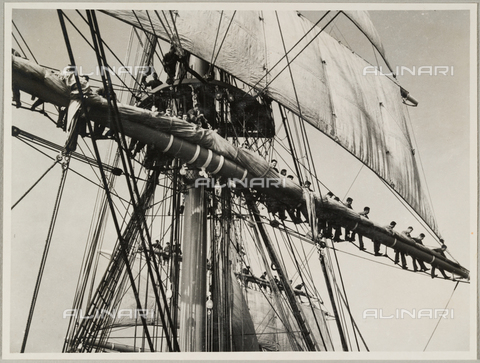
261,283
326,229
193,116
164,253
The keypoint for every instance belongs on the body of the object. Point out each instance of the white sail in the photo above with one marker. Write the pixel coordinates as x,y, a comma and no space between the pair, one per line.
361,111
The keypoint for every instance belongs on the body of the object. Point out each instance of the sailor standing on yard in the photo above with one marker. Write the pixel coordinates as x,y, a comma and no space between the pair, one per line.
440,251
376,245
419,240
348,204
363,214
405,233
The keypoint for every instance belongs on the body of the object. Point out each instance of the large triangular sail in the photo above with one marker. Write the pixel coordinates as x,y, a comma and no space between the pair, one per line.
361,111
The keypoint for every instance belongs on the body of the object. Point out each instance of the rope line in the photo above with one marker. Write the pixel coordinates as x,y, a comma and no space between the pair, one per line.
224,36
440,319
216,38
85,111
43,261
24,42
34,184
281,59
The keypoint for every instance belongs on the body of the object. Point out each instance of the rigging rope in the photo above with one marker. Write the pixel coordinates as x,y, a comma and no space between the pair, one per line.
111,51
155,34
421,163
19,46
216,38
354,324
72,170
440,318
85,111
175,28
133,190
278,62
48,241
345,298
34,184
305,287
151,43
338,294
353,182
308,150
24,42
224,36
164,27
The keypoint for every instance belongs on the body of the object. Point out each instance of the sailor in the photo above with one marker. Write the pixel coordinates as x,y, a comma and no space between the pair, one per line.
263,281
419,240
74,123
273,165
283,172
37,103
196,115
153,83
248,276
166,253
299,286
297,290
158,250
170,60
302,207
278,283
363,214
178,253
348,204
324,225
338,229
389,229
440,251
101,92
307,186
405,233
15,89
99,128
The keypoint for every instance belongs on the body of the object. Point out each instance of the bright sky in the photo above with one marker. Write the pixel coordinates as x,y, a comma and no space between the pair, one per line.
442,130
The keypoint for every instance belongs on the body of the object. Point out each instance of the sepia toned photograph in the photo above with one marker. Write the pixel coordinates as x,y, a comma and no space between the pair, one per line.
256,181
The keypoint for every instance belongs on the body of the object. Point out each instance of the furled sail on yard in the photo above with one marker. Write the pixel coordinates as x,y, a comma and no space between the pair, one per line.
361,111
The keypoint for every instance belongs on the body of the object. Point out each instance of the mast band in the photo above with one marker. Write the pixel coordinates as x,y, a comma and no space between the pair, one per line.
394,242
209,159
195,157
433,259
170,143
354,228
220,165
